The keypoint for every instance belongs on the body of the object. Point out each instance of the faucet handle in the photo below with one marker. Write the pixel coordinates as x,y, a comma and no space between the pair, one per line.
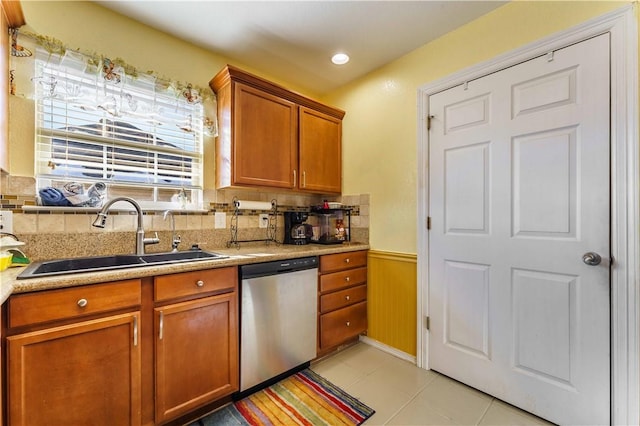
151,240
176,241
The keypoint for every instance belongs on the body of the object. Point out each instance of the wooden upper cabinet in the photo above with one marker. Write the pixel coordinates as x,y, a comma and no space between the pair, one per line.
265,151
320,152
10,17
274,138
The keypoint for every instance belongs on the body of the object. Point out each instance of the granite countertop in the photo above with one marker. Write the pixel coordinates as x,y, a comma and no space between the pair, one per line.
9,284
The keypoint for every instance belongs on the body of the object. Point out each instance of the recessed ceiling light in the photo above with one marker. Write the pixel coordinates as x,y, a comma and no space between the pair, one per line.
340,58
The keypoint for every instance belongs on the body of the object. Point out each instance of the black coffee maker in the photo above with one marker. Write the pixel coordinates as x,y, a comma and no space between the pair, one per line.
295,230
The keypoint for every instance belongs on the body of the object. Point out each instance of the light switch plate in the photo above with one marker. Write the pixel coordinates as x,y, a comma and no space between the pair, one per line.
6,221
221,220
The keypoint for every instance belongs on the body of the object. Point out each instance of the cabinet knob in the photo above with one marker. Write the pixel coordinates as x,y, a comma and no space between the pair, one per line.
348,323
347,279
82,303
347,298
200,283
347,260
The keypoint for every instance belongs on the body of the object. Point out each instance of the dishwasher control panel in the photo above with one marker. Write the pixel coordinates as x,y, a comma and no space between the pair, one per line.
278,267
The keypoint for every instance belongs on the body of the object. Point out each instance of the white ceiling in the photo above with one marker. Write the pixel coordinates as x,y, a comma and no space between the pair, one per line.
294,40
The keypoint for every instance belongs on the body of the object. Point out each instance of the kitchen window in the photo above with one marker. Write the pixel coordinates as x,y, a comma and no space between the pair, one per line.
96,123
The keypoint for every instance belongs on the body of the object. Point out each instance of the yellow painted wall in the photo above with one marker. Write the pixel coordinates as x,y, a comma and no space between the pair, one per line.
380,129
91,28
380,136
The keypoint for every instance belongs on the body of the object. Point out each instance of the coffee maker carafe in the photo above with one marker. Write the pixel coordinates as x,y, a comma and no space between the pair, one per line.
296,231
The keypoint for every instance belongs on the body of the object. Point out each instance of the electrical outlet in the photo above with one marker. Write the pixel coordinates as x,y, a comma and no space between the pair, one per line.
263,220
220,220
6,221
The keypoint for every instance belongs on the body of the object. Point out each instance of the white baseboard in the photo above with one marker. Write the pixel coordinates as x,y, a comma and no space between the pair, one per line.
388,349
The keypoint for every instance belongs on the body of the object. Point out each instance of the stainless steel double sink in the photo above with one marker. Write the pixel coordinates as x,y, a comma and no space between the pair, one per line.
105,263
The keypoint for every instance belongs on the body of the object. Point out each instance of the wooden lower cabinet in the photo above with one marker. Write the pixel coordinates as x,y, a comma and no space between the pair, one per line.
196,354
342,325
342,299
85,373
142,351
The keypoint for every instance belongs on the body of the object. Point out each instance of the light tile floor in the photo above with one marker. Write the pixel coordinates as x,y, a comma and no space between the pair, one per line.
403,394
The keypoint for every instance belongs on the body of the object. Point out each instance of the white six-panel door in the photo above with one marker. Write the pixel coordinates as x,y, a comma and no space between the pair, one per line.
518,194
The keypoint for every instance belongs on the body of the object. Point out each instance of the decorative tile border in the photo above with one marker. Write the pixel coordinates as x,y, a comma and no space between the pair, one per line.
41,226
16,202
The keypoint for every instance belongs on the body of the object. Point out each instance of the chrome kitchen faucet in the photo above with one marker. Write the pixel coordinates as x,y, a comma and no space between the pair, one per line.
175,239
141,241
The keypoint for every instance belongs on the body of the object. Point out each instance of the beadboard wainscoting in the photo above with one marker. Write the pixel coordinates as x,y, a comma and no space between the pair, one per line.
391,299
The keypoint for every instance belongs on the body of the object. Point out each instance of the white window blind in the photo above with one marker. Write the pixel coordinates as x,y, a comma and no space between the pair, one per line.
95,123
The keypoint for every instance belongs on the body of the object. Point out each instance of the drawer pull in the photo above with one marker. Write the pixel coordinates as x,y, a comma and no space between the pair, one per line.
347,279
200,283
347,298
135,331
347,260
82,303
348,323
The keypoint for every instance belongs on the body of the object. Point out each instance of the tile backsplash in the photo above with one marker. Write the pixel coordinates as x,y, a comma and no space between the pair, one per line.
51,233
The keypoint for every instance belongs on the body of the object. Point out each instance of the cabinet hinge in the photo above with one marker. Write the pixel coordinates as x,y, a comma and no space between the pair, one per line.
427,323
429,117
428,222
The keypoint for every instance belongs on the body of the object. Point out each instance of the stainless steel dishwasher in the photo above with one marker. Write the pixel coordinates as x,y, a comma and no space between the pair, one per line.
278,319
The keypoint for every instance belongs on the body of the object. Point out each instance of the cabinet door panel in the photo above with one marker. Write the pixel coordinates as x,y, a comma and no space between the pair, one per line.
339,326
342,261
60,304
195,282
338,280
196,354
342,298
79,374
320,152
265,134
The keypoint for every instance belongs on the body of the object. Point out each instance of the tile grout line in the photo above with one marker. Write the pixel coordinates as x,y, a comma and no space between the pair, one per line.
365,375
415,395
403,406
493,399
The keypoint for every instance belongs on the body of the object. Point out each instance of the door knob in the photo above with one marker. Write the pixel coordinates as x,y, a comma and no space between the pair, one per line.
591,258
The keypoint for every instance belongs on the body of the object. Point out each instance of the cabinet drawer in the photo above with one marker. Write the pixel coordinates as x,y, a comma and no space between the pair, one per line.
338,280
52,305
339,326
193,283
342,261
342,298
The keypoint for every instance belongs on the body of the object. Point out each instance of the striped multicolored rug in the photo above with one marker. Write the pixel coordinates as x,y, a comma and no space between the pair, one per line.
304,398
